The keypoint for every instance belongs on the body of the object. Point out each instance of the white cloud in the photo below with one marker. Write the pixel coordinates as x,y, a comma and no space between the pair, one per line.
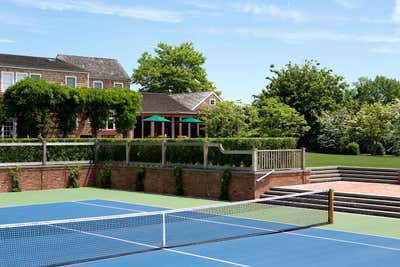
349,4
385,50
204,4
300,37
270,10
96,7
6,41
396,14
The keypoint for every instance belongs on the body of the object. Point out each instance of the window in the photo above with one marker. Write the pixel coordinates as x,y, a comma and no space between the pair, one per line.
213,101
70,81
35,76
8,129
7,80
118,85
111,121
98,84
19,76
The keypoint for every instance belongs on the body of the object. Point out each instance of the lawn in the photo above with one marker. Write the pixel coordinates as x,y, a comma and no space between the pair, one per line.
381,226
319,160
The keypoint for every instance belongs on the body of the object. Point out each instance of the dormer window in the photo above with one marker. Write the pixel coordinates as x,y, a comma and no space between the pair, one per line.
213,102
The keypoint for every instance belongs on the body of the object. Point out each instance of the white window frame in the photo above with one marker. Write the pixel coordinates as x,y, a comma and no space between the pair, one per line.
2,79
213,101
76,80
102,84
38,74
19,73
120,83
111,115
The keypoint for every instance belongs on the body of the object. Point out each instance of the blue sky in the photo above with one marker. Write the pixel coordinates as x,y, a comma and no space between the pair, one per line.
240,38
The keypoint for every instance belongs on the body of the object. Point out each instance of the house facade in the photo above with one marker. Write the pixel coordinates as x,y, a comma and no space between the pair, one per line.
105,73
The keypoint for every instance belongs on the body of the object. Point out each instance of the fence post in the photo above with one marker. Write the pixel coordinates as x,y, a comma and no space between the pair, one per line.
127,152
303,158
163,153
254,159
205,154
44,153
96,151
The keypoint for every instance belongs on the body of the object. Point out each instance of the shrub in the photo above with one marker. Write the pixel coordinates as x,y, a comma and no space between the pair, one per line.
225,182
396,149
178,180
140,174
105,177
352,149
13,174
378,149
73,177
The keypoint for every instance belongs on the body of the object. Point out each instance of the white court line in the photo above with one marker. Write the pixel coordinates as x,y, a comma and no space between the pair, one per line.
107,206
288,233
152,246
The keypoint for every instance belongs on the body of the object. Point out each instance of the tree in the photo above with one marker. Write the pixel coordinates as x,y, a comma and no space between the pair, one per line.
380,89
277,119
31,103
174,69
308,88
226,119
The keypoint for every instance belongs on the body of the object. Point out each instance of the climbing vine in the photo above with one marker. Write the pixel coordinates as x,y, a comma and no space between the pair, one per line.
140,174
73,177
14,176
178,180
225,182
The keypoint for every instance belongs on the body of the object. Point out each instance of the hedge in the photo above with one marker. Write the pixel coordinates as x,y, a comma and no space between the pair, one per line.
143,153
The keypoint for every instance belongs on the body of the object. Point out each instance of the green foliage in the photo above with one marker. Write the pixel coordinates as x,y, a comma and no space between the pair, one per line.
140,175
226,119
105,177
14,176
73,177
352,149
276,119
308,88
225,182
174,69
380,89
178,180
378,149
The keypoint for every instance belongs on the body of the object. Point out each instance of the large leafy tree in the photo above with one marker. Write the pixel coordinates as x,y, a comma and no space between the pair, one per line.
227,119
277,119
173,69
379,89
308,88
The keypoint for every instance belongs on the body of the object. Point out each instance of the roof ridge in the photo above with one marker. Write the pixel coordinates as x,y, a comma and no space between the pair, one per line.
87,57
15,55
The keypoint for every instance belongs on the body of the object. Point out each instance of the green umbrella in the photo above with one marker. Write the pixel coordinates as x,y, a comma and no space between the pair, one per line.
191,120
156,118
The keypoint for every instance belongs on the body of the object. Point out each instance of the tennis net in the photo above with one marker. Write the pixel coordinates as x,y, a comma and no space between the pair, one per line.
63,242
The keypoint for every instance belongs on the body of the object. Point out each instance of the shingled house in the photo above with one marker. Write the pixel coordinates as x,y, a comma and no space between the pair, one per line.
105,73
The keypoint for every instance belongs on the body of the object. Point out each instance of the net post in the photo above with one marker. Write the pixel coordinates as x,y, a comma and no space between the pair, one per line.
164,236
331,206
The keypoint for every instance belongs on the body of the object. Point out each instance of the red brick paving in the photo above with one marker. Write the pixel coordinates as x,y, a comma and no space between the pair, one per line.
354,187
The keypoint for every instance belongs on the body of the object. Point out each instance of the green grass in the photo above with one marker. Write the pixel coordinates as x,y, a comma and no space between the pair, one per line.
380,226
319,160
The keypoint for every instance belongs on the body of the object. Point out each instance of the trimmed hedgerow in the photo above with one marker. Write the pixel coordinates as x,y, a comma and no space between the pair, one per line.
225,182
140,174
178,180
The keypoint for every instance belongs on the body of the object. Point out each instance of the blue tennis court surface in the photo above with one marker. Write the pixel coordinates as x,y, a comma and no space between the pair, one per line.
306,247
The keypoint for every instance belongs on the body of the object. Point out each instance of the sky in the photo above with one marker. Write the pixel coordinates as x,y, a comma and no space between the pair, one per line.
240,38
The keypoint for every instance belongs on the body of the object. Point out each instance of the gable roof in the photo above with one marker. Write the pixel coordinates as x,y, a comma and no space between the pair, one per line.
193,100
39,63
99,68
163,103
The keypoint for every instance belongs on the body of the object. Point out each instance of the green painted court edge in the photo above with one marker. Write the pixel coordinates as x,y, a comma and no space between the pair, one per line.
372,225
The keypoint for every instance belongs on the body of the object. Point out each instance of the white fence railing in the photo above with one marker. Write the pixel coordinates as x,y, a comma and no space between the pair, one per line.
279,159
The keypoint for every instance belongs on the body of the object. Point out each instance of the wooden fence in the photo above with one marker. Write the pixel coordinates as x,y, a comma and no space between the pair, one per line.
261,160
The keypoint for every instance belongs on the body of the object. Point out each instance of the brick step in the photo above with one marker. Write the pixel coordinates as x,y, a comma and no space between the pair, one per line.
324,175
375,173
369,176
325,171
365,180
324,180
369,169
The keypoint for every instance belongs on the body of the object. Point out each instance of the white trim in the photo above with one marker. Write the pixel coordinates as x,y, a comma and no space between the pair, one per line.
24,73
30,68
2,79
38,74
102,84
121,83
205,98
76,80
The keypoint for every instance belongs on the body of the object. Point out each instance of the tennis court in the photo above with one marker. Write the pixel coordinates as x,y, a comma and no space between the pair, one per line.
109,233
